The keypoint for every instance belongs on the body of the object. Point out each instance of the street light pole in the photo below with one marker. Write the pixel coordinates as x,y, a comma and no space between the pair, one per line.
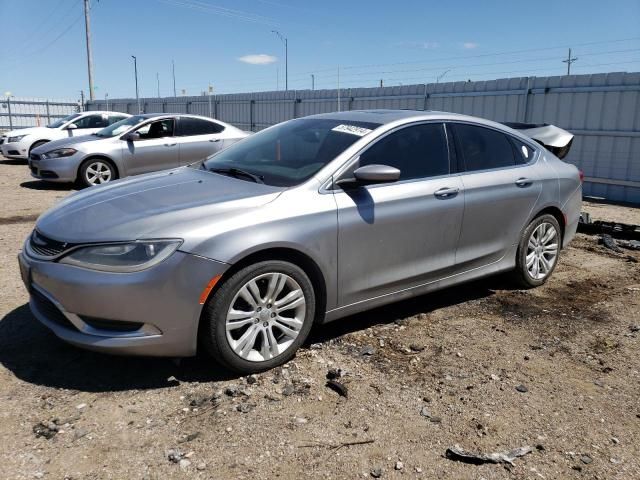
439,77
286,57
135,69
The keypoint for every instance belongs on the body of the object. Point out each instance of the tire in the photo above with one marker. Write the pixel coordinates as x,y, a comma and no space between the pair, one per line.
541,249
254,323
96,171
36,145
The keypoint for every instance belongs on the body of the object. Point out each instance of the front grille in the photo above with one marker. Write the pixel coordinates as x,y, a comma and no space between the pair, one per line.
52,313
46,247
13,152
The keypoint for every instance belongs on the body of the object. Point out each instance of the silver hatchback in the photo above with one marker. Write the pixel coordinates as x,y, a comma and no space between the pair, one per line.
305,222
138,144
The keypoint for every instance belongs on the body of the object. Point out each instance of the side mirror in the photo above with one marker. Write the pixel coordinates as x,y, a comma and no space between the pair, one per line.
71,126
131,137
369,175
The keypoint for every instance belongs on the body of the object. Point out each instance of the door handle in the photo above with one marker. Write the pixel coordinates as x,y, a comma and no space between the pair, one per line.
446,192
169,144
214,139
523,182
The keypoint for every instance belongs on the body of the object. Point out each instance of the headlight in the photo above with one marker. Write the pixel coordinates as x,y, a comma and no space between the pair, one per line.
16,139
122,257
59,153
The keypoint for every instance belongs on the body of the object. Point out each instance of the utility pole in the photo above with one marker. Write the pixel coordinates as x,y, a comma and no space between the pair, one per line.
106,100
135,69
313,82
82,100
381,83
158,82
210,92
338,87
173,71
569,61
87,30
286,58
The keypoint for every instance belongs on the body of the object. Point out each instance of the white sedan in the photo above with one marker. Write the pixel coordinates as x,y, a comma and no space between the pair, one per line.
19,143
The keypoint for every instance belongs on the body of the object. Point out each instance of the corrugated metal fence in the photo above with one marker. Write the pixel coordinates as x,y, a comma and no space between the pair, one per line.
602,110
32,112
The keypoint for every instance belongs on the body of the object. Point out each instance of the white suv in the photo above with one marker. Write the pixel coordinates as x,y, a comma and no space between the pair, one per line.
19,143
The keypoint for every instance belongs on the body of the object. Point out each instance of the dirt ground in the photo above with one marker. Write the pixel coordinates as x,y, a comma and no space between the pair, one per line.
482,365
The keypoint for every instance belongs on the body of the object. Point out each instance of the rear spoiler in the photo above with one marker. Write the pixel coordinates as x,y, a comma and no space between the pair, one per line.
554,139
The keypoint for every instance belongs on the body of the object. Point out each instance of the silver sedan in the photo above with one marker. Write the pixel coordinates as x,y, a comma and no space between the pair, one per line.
138,144
306,222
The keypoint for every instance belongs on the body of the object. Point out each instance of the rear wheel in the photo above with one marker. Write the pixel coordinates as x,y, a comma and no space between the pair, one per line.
96,171
538,251
259,316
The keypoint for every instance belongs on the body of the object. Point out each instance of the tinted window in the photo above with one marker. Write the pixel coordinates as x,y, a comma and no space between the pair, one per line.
524,153
92,121
293,151
159,129
62,121
418,152
197,126
483,148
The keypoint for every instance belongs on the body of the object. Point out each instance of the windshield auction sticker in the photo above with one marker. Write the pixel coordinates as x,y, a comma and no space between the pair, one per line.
351,129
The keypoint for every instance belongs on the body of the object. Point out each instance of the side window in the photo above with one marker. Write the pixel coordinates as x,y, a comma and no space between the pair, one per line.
197,126
418,152
92,121
483,148
524,153
115,118
158,129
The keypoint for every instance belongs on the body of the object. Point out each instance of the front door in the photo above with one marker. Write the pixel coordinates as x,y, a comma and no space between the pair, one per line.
403,234
157,148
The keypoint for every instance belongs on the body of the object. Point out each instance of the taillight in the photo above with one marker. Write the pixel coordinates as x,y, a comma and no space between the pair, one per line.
581,176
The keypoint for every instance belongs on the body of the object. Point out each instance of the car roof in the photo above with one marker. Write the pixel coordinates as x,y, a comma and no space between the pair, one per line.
384,117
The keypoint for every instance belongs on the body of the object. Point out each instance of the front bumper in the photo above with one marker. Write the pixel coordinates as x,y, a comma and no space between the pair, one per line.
55,169
154,312
16,150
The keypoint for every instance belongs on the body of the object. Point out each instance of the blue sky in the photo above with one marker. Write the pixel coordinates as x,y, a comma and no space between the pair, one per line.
231,44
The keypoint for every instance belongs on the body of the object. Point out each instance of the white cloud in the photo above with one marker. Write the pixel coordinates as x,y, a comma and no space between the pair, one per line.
258,59
419,45
469,45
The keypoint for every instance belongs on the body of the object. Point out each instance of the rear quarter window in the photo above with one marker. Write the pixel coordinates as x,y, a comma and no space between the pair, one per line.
483,148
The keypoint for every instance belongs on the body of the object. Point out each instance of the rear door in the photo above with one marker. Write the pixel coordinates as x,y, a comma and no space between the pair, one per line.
501,188
198,138
156,149
399,235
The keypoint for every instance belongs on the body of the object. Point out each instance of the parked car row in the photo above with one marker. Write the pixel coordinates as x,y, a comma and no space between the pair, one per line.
97,147
305,222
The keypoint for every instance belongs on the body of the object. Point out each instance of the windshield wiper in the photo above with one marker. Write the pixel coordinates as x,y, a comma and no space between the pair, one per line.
236,172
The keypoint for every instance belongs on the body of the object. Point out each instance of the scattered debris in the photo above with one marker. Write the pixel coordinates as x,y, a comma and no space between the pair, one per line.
189,438
608,242
338,387
414,347
457,453
174,456
245,407
586,459
367,351
48,430
252,379
288,389
424,412
399,465
334,373
522,389
376,472
233,391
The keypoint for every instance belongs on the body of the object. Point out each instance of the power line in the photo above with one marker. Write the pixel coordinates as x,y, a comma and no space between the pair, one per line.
221,11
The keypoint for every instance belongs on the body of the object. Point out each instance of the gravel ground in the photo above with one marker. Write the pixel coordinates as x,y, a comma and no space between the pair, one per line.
482,365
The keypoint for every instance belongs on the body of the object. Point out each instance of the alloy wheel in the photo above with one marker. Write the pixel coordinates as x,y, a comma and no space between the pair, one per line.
98,173
542,251
265,316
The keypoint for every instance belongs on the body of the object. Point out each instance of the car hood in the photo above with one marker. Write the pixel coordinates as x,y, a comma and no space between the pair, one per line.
67,142
27,131
167,204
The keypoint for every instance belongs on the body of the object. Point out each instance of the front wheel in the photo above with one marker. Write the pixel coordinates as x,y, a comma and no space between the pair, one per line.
538,251
96,171
259,317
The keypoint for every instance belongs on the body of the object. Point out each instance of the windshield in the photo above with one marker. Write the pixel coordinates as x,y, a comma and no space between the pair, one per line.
120,127
62,121
292,152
